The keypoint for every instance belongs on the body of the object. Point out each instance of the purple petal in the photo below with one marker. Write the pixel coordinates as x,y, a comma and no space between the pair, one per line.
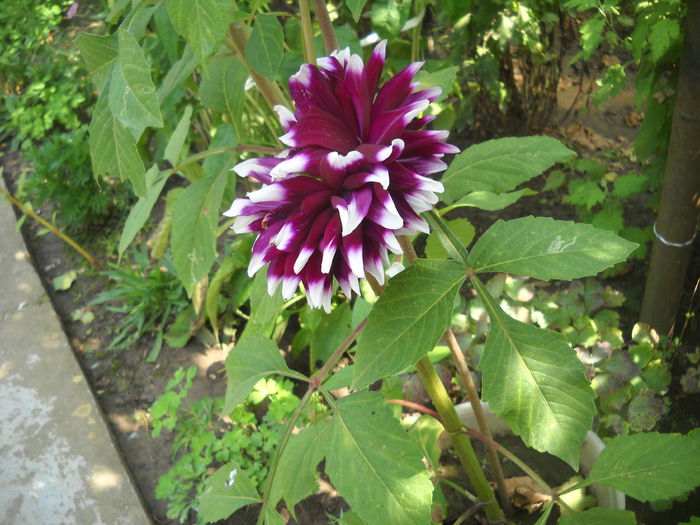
354,210
395,91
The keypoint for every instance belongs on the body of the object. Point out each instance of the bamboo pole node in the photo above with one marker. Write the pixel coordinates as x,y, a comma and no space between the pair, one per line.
672,244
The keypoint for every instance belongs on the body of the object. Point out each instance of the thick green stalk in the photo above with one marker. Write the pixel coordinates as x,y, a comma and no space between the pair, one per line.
450,419
453,426
324,22
307,34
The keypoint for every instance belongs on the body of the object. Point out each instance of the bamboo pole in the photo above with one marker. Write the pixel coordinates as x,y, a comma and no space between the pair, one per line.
680,198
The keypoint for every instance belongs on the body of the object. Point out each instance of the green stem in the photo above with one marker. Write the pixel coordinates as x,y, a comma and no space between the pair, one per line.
307,34
450,419
453,426
53,229
448,239
324,21
314,384
463,369
287,434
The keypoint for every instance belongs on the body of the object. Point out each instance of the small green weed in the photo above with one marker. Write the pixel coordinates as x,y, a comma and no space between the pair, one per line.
146,297
62,176
204,438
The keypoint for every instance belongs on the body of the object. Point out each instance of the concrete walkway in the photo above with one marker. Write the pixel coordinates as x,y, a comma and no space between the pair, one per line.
58,463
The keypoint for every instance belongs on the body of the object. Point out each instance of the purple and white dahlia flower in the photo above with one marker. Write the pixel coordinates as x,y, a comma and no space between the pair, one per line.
353,178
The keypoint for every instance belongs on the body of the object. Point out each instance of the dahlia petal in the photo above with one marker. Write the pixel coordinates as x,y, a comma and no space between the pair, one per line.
329,244
375,152
391,123
317,127
286,117
374,67
391,242
394,269
334,166
424,165
421,201
395,90
243,223
273,192
297,163
384,212
275,273
352,212
379,174
257,168
352,251
240,207
304,254
290,283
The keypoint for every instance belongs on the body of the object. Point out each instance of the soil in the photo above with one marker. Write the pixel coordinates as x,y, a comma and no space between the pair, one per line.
126,385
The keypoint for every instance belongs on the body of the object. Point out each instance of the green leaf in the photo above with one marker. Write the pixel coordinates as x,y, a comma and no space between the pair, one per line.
195,220
533,380
141,211
500,165
226,491
178,73
662,35
174,147
132,95
375,464
228,266
544,248
264,308
486,200
649,466
408,320
330,333
113,148
591,35
297,471
222,88
265,46
356,7
99,53
64,281
444,79
629,184
203,23
463,230
252,359
598,516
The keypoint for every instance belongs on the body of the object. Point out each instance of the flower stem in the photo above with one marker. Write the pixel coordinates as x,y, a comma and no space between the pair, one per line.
314,385
53,229
450,419
473,395
453,426
307,34
324,22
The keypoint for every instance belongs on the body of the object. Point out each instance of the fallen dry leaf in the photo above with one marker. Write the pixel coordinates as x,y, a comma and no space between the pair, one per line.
526,494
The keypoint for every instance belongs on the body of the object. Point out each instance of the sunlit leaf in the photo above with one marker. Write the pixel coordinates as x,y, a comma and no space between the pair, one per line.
407,321
195,220
265,46
533,380
203,23
649,466
113,148
226,491
132,95
252,359
545,248
499,165
375,464
598,516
